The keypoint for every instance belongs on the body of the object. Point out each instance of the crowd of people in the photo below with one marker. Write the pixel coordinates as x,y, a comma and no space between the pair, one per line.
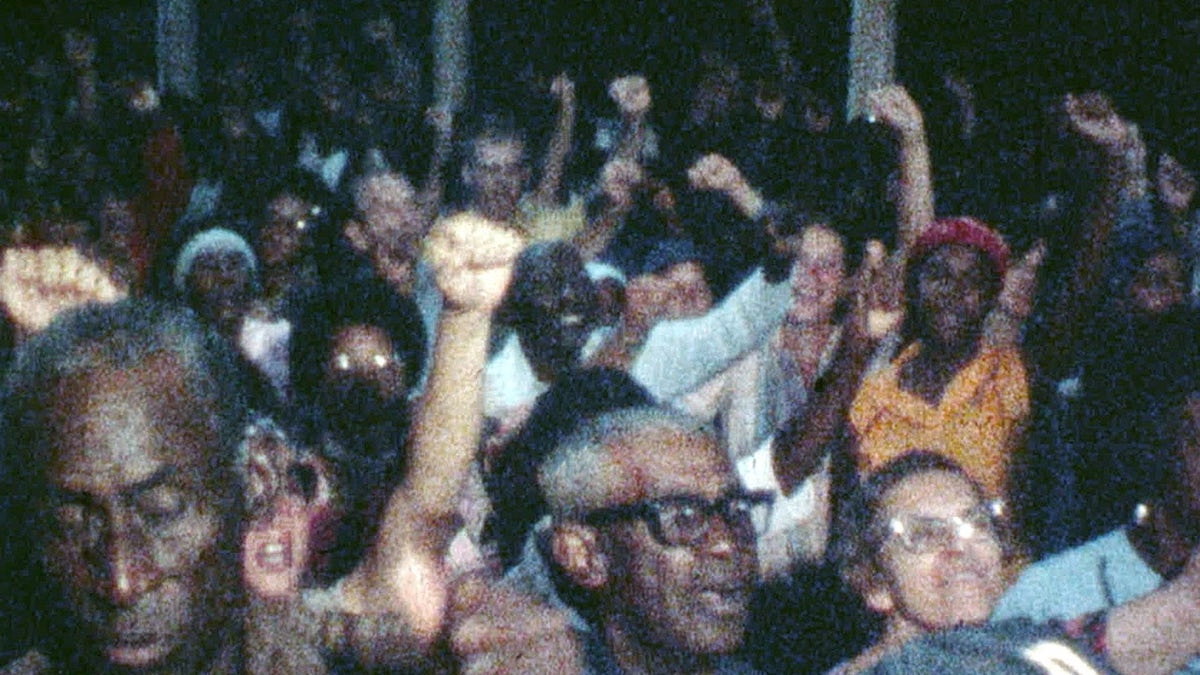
345,381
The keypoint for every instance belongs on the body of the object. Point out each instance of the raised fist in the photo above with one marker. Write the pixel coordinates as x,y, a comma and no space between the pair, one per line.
1095,119
562,88
715,172
631,94
37,284
472,259
1176,185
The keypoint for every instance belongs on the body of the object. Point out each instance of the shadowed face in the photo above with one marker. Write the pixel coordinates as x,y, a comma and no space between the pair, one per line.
139,520
220,287
365,381
817,276
558,311
956,289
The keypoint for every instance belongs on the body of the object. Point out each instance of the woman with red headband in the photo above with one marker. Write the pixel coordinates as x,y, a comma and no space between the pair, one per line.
955,388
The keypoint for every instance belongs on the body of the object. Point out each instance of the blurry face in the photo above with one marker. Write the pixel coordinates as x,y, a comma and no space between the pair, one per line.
497,175
817,276
954,295
692,599
288,230
562,313
220,286
392,222
1158,285
677,292
956,576
139,536
365,380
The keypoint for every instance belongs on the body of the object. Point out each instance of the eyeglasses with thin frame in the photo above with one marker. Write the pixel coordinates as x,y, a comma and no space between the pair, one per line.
928,534
686,520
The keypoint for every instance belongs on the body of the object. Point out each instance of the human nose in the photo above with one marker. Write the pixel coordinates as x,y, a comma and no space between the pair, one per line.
129,571
721,538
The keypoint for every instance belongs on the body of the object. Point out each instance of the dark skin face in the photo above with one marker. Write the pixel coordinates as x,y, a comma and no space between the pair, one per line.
563,309
219,287
955,291
139,529
497,177
287,231
671,600
1158,286
364,378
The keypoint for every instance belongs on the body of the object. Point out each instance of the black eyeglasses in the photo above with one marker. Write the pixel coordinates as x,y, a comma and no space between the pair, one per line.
686,520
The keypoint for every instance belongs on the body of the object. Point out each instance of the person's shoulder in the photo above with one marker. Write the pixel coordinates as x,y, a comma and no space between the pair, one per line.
1071,561
1015,647
32,663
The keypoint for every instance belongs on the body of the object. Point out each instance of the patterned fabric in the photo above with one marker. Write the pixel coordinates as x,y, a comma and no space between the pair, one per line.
974,423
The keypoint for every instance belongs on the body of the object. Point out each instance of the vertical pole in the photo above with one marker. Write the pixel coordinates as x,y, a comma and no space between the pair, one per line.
176,33
872,51
451,54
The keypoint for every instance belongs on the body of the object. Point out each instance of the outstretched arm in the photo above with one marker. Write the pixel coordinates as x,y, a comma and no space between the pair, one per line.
1122,182
1158,633
632,96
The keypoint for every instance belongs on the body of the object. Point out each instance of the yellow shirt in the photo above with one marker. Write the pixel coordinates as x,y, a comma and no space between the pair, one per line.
974,424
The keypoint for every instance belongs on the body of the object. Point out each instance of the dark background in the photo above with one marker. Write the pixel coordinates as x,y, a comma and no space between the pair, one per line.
1020,54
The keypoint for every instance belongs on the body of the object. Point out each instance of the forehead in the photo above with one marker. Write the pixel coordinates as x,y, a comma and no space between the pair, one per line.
818,243
1165,262
663,461
386,187
361,339
220,257
497,152
933,494
958,259
551,269
288,205
110,429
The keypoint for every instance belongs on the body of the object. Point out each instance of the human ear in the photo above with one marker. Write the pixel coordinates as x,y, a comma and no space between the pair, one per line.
577,551
354,233
878,599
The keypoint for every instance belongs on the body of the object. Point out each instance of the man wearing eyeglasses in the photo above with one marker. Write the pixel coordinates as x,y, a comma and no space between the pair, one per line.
653,530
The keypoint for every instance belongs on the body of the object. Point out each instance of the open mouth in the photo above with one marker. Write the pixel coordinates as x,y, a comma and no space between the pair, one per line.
725,601
275,555
137,651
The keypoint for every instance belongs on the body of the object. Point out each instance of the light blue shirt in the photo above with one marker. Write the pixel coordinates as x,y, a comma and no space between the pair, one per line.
1095,576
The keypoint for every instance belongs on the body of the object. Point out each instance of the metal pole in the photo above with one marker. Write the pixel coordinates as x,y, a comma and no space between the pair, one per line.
176,34
872,51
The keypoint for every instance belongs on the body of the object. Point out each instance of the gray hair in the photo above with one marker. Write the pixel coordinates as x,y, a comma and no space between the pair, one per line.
582,473
119,335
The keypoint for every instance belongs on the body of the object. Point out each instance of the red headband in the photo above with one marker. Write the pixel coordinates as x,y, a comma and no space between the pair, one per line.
963,230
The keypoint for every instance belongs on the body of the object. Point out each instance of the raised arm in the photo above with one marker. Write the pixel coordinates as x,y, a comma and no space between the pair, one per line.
1121,184
563,89
893,107
877,311
716,173
632,96
402,574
